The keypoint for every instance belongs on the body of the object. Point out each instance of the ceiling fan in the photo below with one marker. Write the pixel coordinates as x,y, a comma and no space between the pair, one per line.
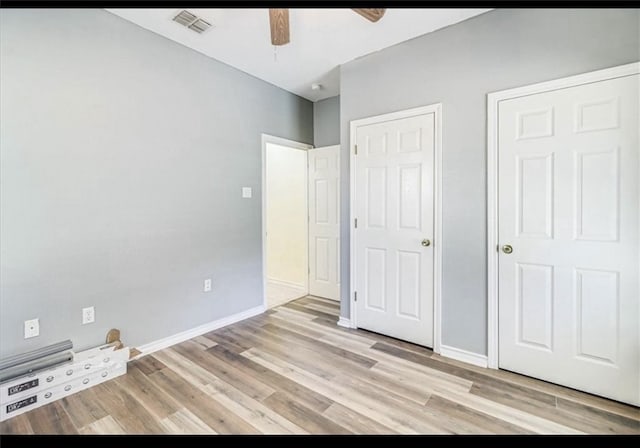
279,21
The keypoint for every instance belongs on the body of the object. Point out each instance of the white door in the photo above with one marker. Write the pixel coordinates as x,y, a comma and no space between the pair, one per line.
324,222
394,208
568,207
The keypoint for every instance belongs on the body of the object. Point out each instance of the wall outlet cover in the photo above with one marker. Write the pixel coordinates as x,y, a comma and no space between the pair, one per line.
207,285
247,192
88,315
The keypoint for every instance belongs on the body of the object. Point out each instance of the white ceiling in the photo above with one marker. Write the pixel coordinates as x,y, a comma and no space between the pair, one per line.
321,40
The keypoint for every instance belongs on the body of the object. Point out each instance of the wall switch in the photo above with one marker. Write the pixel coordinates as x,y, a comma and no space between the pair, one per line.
207,285
31,328
88,315
246,192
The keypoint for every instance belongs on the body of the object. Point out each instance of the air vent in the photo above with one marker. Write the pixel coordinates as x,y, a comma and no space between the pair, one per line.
200,26
192,21
185,18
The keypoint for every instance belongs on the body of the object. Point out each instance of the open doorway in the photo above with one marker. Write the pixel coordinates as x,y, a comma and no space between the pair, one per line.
285,214
301,245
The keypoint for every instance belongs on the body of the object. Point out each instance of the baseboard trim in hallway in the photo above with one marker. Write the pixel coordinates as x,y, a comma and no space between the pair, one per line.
463,355
177,338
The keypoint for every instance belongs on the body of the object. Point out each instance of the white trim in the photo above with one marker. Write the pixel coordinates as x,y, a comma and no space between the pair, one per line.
266,138
493,100
275,281
462,355
437,228
492,232
344,322
154,346
570,81
436,109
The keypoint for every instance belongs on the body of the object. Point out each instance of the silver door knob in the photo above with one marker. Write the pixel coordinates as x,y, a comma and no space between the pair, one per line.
507,249
426,242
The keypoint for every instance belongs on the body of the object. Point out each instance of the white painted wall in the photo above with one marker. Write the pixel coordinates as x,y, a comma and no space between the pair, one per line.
286,209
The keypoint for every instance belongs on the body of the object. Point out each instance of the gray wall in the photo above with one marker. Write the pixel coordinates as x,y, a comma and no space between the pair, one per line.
326,122
123,155
458,66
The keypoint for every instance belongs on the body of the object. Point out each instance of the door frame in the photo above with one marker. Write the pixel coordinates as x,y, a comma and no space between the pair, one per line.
309,222
266,138
436,109
493,100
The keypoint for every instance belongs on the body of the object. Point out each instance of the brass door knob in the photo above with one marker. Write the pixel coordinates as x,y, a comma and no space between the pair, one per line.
426,242
507,249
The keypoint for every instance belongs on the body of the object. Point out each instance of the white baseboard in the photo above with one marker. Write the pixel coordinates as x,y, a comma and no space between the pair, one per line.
462,355
325,298
288,284
154,346
344,322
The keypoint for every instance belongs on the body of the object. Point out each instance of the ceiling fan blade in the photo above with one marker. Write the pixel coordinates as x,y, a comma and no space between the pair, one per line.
372,14
279,21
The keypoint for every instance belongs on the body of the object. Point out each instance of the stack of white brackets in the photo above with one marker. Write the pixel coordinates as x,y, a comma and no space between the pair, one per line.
88,368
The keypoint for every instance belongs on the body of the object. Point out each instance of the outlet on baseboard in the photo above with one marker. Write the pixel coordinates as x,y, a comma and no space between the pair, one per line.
31,328
88,315
207,285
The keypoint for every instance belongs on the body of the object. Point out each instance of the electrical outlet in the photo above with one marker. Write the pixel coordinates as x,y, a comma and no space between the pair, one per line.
88,315
31,328
207,285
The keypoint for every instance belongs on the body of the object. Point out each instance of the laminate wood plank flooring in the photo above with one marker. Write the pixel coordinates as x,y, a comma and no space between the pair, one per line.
292,370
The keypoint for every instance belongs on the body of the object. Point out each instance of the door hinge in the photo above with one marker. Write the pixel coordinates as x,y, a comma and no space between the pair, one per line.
355,223
355,296
355,149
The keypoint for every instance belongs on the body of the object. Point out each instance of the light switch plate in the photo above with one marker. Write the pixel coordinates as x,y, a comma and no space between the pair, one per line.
246,192
31,328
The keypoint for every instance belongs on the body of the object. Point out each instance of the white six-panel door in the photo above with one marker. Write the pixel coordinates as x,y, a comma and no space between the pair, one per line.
324,222
394,207
568,197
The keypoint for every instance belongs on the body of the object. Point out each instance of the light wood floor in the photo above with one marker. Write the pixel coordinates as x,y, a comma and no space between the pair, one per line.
292,370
